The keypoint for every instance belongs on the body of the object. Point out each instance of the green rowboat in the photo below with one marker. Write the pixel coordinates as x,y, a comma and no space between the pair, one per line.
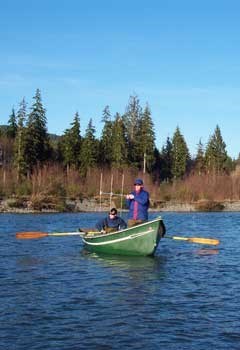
139,240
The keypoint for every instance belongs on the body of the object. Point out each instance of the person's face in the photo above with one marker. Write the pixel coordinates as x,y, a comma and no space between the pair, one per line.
112,215
137,187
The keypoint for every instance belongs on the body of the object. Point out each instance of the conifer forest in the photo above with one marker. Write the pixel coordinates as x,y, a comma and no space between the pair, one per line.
38,165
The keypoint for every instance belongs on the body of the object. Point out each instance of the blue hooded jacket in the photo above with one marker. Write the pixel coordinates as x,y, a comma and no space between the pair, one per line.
142,199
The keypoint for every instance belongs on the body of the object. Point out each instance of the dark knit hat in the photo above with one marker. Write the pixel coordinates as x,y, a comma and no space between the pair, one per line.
138,182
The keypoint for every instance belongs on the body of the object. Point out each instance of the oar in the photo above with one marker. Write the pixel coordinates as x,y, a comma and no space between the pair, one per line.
211,241
34,235
38,234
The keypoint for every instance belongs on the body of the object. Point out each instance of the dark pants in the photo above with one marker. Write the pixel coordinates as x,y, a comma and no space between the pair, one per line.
110,229
133,222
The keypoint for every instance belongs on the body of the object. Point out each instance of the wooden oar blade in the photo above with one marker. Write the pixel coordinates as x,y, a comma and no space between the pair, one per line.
210,241
30,235
200,240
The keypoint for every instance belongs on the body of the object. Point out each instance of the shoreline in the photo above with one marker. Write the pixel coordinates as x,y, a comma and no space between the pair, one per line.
92,205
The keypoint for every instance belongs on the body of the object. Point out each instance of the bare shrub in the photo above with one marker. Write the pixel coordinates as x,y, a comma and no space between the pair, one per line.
55,181
209,205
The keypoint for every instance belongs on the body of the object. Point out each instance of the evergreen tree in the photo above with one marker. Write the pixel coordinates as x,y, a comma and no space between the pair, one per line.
119,143
131,120
238,160
166,161
71,144
89,154
106,115
38,147
200,159
216,154
181,157
106,140
145,140
12,125
156,166
20,140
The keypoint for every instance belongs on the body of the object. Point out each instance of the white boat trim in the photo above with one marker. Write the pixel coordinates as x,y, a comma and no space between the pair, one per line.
146,223
133,236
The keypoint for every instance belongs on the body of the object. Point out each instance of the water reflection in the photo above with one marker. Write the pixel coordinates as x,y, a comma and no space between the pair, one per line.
55,296
125,261
137,267
205,251
29,261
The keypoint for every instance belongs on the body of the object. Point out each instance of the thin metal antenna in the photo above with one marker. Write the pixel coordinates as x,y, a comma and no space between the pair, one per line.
114,194
144,163
111,192
122,192
100,192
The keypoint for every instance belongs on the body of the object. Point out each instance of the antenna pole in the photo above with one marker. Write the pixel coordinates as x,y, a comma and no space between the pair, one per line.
122,192
111,192
100,192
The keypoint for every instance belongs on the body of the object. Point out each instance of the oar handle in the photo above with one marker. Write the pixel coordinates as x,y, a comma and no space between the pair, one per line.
59,234
179,238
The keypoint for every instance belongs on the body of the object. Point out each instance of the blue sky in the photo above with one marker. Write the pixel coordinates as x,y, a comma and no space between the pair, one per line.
182,57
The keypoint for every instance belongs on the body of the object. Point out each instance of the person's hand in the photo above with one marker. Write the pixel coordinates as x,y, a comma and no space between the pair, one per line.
103,232
130,196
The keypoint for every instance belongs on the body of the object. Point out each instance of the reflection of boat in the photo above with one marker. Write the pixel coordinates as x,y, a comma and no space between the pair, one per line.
131,264
140,240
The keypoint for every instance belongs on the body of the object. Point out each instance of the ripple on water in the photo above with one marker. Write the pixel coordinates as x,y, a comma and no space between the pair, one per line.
55,296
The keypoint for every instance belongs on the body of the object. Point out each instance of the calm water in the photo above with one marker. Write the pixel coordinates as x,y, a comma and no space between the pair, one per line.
56,296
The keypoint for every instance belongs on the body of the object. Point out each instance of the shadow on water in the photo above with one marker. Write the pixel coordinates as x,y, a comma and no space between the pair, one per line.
140,266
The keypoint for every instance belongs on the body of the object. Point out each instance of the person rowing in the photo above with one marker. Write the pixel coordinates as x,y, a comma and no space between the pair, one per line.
111,223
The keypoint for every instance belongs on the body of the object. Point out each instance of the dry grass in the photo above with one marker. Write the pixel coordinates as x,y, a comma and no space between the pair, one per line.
52,180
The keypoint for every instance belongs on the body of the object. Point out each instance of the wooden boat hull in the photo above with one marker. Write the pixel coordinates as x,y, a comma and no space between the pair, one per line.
140,240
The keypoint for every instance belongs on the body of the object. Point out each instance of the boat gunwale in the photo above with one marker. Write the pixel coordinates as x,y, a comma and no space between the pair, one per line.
120,231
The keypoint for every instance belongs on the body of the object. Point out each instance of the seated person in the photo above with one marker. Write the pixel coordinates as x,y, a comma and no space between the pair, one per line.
111,223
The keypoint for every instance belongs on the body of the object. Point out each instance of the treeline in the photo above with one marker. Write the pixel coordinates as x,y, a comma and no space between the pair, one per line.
126,143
